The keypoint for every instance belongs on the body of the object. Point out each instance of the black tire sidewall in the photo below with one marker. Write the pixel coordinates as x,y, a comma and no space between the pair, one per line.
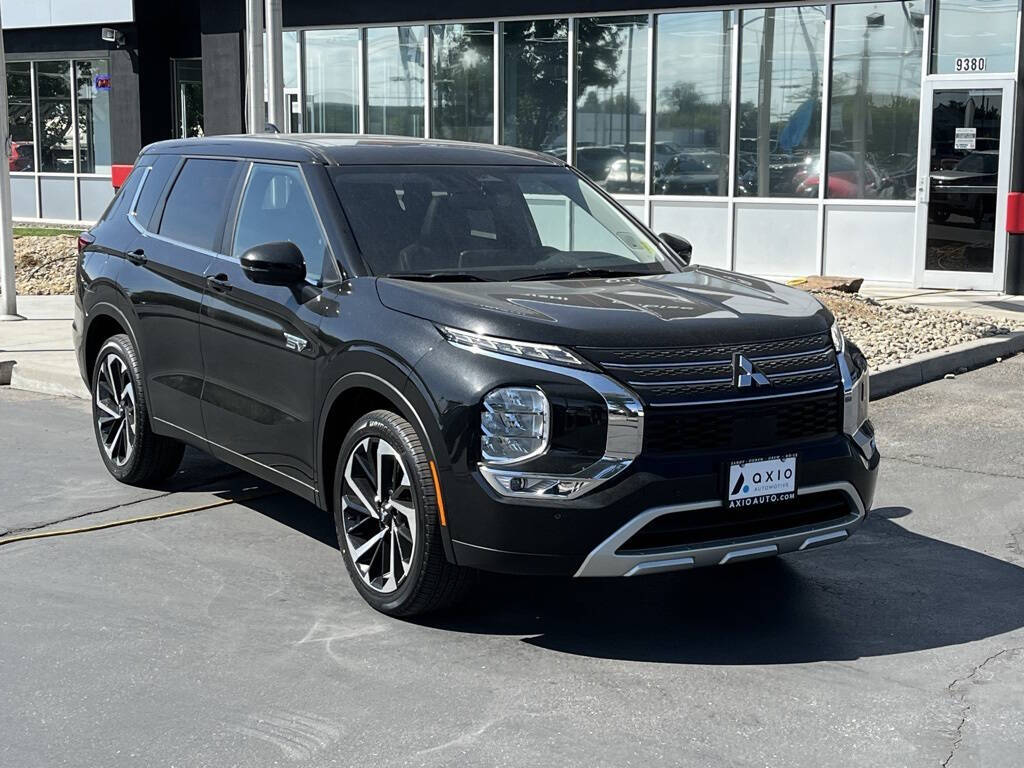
121,346
378,425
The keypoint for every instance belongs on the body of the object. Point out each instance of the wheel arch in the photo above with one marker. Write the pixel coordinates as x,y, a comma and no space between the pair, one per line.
372,381
103,321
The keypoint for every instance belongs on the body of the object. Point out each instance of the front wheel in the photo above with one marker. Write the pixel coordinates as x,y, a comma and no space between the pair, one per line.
131,451
389,527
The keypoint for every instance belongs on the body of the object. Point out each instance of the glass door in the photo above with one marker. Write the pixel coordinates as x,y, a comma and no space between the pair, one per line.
188,97
963,183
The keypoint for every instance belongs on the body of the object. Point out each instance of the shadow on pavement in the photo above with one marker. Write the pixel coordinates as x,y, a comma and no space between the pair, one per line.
885,591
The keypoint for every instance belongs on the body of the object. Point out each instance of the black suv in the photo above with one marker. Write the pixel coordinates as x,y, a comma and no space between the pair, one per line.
471,356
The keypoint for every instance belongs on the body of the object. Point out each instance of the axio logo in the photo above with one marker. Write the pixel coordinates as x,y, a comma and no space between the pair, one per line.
746,374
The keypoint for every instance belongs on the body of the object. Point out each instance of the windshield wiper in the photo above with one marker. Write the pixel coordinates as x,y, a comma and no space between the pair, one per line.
569,274
438,277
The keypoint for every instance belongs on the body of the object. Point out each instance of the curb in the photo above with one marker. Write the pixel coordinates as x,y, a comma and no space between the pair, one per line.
930,366
48,379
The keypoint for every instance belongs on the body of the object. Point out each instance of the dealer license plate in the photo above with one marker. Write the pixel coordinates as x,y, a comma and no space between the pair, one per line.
762,481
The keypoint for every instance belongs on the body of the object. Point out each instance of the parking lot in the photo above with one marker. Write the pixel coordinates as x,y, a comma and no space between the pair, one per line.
232,636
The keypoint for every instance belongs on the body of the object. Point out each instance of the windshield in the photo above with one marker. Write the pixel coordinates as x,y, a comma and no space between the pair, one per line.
979,163
489,223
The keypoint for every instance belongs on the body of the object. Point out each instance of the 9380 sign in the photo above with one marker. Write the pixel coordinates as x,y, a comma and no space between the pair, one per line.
969,64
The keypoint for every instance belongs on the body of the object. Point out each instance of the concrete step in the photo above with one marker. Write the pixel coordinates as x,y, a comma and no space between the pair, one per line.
53,373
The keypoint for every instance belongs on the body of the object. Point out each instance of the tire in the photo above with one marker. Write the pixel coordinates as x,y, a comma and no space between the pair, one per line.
130,450
389,532
978,216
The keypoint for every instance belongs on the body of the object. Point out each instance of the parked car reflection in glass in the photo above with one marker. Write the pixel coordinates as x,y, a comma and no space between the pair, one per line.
692,174
966,187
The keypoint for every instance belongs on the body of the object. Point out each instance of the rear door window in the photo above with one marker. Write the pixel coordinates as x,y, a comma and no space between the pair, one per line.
198,202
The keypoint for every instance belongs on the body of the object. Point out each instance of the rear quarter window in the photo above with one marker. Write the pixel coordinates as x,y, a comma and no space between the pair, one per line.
153,188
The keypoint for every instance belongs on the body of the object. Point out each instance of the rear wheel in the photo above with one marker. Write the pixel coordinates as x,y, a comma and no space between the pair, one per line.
130,450
386,513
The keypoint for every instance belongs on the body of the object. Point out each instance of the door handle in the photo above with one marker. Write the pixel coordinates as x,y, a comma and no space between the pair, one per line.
219,283
138,256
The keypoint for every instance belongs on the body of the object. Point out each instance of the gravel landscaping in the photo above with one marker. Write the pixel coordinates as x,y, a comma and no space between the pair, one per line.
45,265
890,333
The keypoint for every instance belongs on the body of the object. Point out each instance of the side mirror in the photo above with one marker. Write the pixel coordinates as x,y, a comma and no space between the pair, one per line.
680,245
274,264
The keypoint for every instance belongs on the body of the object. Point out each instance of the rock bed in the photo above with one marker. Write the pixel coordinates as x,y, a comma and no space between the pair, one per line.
45,265
890,333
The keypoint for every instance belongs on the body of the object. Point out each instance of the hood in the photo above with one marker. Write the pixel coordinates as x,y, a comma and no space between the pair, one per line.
697,306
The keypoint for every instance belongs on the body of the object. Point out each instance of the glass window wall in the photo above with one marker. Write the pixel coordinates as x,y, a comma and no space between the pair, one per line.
55,117
462,81
394,81
535,84
60,151
19,115
779,131
332,81
611,101
974,36
876,99
693,87
92,84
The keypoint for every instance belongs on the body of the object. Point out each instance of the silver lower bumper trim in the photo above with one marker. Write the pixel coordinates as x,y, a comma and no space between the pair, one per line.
604,560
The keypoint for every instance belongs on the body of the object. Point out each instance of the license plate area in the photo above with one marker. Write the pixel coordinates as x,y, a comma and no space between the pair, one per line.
770,480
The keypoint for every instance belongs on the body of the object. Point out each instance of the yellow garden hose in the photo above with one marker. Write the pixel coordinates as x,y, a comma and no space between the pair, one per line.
130,520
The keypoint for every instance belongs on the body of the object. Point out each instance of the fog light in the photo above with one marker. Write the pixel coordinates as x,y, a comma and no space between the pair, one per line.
514,425
536,486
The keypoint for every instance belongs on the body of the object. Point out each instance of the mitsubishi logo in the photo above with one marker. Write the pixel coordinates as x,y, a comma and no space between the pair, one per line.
746,374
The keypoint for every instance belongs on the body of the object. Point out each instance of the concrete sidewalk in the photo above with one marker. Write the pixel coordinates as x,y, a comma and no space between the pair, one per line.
44,357
41,348
989,303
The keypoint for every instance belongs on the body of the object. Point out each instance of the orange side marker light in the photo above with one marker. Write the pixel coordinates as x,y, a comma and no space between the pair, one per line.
437,492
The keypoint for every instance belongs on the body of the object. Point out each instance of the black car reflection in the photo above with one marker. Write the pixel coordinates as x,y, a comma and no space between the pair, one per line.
692,173
967,188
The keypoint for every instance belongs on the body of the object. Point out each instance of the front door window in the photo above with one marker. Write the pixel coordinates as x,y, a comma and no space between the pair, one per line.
963,180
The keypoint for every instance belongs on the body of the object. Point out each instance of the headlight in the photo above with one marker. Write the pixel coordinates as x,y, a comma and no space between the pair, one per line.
476,342
837,339
514,425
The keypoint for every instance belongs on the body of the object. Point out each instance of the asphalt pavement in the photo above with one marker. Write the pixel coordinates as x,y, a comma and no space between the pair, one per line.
232,637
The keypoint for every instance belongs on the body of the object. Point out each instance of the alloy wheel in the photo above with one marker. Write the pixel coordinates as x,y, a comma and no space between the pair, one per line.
116,409
379,514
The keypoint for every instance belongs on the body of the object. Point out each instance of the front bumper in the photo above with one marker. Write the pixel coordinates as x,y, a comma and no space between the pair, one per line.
585,536
607,560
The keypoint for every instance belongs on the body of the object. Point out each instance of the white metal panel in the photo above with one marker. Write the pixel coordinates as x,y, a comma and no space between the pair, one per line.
870,242
705,225
94,196
59,195
18,14
776,238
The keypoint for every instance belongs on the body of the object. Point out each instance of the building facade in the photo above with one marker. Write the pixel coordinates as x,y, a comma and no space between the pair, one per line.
876,139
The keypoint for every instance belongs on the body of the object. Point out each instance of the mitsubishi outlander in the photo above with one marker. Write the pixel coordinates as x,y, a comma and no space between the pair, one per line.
470,356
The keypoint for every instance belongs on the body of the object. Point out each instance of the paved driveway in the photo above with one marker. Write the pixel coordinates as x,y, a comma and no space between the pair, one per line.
232,636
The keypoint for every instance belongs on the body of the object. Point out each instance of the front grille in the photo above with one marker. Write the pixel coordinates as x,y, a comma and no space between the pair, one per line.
742,426
665,376
678,530
695,405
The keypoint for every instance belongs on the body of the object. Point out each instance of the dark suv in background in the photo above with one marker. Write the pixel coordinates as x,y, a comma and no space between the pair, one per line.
471,356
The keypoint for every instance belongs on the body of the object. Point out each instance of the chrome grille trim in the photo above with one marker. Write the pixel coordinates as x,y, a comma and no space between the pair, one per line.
705,375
